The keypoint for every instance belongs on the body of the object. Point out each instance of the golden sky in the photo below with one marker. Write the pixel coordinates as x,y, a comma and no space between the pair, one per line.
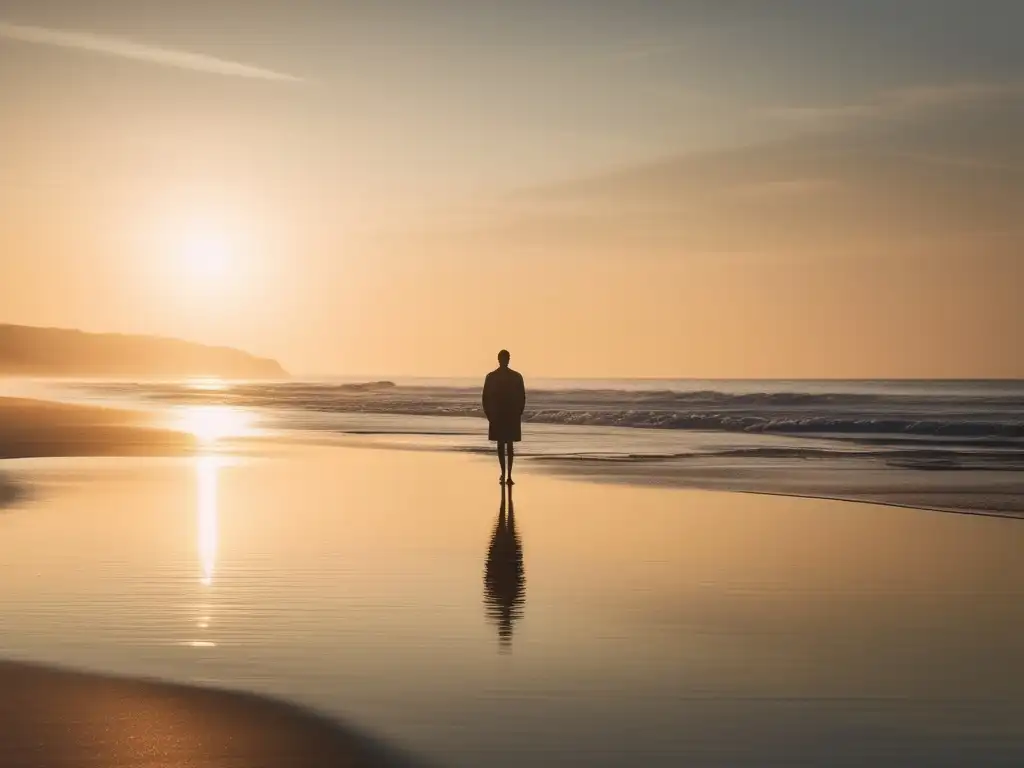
607,189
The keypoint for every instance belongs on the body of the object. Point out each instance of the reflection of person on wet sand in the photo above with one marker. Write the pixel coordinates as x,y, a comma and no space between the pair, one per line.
504,575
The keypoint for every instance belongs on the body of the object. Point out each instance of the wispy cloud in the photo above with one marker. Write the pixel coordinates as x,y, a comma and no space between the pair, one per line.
786,188
644,51
902,102
127,49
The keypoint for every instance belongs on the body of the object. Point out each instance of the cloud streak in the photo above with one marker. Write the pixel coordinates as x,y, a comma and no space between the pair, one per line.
903,102
126,49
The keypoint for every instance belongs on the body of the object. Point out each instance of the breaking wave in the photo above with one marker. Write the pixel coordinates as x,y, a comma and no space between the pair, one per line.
992,414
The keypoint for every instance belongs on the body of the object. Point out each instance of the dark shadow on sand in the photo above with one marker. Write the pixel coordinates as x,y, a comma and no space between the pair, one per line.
11,492
51,717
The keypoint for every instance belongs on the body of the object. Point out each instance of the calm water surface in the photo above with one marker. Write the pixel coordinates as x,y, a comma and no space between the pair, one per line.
580,625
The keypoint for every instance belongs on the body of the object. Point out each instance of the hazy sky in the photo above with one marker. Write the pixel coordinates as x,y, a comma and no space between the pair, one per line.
705,188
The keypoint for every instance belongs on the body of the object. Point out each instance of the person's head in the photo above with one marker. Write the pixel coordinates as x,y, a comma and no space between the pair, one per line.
503,358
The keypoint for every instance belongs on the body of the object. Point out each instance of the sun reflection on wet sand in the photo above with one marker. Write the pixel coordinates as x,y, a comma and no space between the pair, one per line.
210,424
207,525
206,510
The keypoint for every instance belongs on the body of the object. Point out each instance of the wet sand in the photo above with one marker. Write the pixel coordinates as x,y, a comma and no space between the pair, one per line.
54,717
37,428
588,623
51,718
977,492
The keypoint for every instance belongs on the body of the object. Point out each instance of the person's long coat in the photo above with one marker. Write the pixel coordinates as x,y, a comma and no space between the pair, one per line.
504,401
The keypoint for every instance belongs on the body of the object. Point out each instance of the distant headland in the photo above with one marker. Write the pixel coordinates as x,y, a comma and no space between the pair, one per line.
30,351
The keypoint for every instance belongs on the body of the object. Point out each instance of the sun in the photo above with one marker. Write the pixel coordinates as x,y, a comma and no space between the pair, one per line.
207,257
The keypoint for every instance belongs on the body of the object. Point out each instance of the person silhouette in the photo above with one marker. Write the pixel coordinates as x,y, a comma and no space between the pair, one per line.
504,573
504,399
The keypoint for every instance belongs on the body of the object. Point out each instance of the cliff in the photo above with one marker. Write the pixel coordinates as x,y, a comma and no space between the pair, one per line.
28,351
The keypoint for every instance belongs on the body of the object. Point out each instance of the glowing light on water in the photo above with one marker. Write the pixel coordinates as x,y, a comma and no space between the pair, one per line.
206,513
207,384
211,423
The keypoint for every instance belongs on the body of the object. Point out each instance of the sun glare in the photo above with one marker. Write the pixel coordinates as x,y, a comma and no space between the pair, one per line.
207,384
211,423
207,257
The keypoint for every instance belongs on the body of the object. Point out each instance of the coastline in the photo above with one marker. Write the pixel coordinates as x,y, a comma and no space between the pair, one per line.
953,470
35,428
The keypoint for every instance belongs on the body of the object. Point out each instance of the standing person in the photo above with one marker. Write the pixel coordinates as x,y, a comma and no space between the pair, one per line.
504,400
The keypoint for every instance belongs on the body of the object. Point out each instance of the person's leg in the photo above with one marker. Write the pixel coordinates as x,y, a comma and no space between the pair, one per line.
501,458
511,458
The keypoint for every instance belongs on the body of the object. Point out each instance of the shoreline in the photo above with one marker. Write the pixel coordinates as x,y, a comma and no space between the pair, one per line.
636,483
893,504
597,471
992,494
42,429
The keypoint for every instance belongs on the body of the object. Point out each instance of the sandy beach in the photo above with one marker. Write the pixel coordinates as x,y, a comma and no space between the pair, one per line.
399,594
38,428
54,717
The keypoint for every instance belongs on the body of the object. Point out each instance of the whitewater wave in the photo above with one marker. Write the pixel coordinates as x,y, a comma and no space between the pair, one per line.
960,415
